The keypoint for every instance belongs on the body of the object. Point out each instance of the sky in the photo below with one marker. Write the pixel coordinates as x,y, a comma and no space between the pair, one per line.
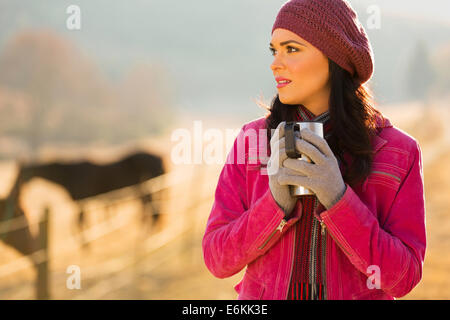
436,10
207,39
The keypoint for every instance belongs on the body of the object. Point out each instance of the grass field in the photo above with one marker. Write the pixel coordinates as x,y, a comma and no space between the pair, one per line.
165,263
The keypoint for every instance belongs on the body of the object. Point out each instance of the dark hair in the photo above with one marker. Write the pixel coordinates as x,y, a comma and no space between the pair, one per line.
353,119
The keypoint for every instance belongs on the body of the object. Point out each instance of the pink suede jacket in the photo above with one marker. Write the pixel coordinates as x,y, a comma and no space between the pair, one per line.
375,233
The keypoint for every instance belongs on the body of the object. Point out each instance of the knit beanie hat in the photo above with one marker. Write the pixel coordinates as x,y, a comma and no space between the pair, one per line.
332,26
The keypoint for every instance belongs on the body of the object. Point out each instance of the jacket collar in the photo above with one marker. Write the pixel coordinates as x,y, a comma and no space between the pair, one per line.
377,141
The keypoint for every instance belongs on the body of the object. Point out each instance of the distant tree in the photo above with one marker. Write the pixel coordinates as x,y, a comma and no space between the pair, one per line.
420,73
146,98
55,77
68,99
441,63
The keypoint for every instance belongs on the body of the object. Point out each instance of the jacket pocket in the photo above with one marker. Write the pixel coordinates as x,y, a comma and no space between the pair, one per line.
250,288
256,159
386,175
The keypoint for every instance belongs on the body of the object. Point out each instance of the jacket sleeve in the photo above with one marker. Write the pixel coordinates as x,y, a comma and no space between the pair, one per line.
398,249
236,234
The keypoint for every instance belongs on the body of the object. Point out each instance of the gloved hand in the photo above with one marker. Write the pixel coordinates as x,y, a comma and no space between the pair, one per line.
323,176
275,170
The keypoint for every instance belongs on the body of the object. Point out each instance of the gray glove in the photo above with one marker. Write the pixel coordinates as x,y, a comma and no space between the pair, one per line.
323,176
275,170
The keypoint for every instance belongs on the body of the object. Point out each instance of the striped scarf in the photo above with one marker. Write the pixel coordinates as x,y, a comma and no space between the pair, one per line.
308,275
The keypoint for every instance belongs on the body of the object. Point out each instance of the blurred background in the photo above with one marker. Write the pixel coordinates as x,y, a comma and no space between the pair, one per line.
95,96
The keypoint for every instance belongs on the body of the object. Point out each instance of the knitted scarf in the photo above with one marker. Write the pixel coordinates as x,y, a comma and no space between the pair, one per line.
308,275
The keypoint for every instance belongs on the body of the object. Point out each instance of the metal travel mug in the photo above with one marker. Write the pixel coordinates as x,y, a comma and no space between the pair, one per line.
289,133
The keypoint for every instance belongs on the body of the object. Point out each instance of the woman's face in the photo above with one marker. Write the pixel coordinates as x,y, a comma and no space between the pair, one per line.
305,66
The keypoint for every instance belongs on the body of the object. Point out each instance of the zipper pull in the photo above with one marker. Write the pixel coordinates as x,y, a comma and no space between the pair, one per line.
281,225
322,226
279,228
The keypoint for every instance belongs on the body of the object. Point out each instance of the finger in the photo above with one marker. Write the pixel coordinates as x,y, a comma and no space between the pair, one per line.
319,142
308,149
279,144
290,172
278,133
300,166
294,180
280,128
277,155
274,164
282,143
280,152
283,155
272,169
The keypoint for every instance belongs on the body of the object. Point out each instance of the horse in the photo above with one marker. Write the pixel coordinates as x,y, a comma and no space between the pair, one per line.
84,179
15,230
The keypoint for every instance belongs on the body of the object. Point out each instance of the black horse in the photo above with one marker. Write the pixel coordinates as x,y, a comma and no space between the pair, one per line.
14,226
86,179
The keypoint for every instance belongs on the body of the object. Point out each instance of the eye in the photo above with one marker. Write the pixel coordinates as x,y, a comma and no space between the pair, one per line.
289,49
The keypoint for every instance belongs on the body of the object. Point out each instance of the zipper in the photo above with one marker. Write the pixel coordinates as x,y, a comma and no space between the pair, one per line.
323,227
324,255
325,262
279,228
292,263
313,255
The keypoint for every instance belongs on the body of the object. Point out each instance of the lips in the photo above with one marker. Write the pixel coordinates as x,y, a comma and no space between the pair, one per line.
282,82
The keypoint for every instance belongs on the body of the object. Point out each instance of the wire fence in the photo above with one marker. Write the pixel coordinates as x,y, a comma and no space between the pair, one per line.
180,226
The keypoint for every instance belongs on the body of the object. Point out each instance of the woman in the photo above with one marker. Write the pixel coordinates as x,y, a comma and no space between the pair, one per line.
362,234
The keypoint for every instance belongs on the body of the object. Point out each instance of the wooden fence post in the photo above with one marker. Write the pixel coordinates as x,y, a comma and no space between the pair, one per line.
42,282
197,188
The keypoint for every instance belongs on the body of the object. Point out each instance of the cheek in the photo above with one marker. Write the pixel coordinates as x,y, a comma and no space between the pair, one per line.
310,72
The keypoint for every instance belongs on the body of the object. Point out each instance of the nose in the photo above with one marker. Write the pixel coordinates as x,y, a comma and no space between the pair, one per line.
276,64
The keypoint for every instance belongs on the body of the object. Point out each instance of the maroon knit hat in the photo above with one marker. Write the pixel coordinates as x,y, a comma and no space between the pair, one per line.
333,27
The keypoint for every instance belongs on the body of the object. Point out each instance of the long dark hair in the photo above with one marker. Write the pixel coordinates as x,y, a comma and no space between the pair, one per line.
353,120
